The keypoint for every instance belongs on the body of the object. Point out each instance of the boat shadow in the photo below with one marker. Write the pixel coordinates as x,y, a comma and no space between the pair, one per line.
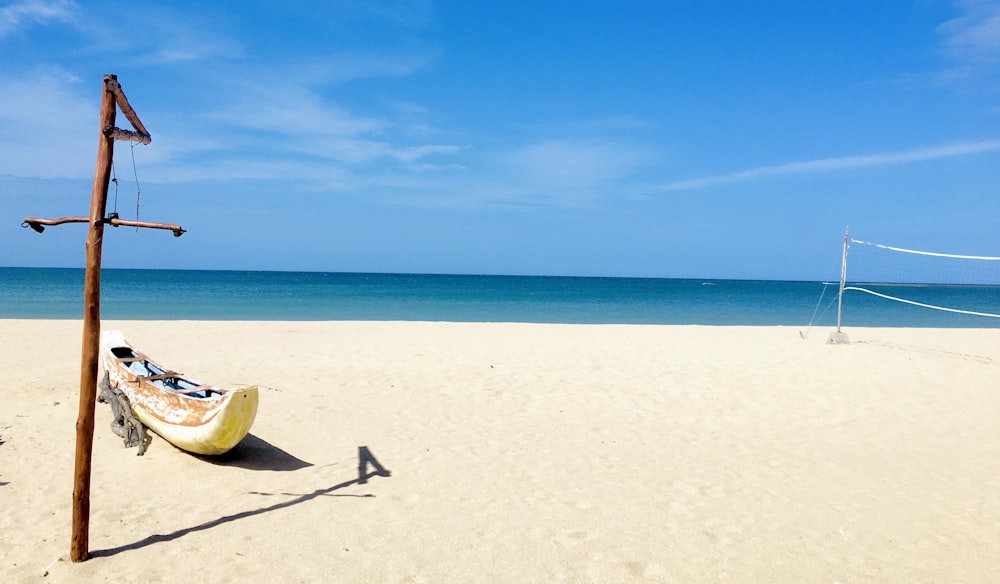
365,459
253,453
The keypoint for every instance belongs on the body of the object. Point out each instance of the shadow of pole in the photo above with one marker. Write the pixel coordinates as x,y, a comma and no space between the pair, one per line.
364,455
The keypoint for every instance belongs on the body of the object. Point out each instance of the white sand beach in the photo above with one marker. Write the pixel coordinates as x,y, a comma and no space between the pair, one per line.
522,453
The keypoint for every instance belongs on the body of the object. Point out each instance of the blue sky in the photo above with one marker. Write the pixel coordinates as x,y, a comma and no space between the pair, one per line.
667,139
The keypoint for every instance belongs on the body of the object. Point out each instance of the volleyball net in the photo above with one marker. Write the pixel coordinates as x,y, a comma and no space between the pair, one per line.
964,284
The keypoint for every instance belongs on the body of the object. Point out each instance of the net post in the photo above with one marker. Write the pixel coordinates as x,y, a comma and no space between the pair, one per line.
839,337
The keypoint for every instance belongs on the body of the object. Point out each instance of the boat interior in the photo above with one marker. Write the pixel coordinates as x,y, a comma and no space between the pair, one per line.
140,366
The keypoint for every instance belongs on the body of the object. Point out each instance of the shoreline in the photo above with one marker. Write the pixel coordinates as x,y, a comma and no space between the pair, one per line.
143,322
524,452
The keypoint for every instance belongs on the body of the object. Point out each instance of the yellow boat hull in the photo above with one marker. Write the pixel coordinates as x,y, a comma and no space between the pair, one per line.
218,435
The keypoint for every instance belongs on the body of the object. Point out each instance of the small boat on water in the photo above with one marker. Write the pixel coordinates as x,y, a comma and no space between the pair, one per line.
199,418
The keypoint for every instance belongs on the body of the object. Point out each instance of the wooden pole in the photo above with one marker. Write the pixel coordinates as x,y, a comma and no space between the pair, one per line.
79,548
112,98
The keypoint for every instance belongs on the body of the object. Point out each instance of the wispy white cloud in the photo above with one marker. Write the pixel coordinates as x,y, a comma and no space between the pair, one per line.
55,138
975,34
46,126
563,173
297,133
341,67
211,34
184,46
970,43
838,163
280,121
415,153
138,34
404,13
294,112
20,15
573,163
169,37
280,113
611,125
300,121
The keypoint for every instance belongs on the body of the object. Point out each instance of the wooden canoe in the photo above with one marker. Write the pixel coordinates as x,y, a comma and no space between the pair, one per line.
199,418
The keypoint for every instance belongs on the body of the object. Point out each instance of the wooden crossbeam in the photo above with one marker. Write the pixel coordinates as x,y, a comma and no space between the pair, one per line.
129,136
38,223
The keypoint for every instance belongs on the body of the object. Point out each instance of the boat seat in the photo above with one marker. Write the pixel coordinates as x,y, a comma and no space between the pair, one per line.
201,391
130,359
167,375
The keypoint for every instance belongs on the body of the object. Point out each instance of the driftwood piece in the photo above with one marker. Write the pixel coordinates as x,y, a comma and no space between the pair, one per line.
125,425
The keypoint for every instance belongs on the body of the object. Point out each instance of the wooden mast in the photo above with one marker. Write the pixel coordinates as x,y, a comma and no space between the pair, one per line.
111,96
92,327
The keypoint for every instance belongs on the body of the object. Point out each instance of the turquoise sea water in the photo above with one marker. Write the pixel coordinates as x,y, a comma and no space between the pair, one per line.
234,295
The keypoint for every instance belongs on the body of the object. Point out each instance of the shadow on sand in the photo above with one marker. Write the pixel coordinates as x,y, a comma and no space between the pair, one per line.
5,483
253,453
365,458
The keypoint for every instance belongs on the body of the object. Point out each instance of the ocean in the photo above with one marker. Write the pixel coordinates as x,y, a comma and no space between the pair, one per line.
57,293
